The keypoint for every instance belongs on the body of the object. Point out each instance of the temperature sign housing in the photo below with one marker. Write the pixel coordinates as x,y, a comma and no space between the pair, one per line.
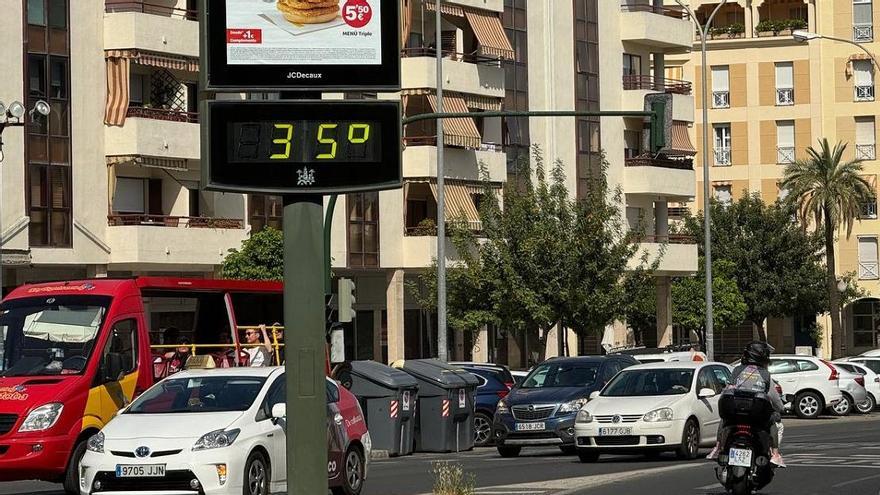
297,146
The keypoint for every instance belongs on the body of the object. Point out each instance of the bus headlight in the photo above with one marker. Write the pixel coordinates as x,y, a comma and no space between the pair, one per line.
42,418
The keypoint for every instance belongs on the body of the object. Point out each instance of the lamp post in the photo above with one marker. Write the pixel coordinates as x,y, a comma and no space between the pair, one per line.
11,117
842,285
707,241
805,36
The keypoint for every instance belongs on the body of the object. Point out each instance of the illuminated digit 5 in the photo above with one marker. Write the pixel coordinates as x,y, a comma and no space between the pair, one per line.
362,139
285,141
329,140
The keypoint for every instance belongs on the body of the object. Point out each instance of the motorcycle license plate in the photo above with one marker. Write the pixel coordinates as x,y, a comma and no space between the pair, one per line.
615,432
140,470
530,427
740,457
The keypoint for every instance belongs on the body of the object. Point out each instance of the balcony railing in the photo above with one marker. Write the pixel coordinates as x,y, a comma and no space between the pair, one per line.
866,152
430,230
432,141
683,164
664,11
864,93
471,58
784,96
785,155
868,270
668,239
863,32
175,221
722,156
869,209
721,99
652,83
148,8
163,114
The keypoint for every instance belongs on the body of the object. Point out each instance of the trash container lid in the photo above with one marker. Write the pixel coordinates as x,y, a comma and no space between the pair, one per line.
383,375
438,372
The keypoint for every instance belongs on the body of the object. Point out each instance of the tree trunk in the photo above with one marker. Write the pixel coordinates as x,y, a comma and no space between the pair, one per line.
762,333
831,281
560,340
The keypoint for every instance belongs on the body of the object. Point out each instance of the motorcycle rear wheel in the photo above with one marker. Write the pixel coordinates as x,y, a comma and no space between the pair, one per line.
741,487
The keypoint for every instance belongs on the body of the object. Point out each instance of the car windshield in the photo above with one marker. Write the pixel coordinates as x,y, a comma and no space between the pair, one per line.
645,382
49,335
199,394
565,374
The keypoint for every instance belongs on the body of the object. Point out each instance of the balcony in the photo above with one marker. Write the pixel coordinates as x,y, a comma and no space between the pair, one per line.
420,160
865,152
864,93
721,99
151,27
656,84
785,155
464,73
784,97
673,179
154,132
657,27
637,87
171,241
722,157
677,253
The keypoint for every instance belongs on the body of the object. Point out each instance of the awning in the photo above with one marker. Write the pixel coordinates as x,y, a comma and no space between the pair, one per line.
482,102
445,8
459,202
490,33
406,20
155,59
681,140
117,87
460,131
176,164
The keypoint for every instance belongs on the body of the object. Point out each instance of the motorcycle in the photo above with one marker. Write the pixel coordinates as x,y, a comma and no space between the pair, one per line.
744,463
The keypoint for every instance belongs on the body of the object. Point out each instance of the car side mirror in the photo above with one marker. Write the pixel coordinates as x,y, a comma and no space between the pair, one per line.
279,411
112,367
706,393
594,395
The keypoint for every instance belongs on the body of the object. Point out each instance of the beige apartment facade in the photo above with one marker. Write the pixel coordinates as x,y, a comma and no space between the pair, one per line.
771,97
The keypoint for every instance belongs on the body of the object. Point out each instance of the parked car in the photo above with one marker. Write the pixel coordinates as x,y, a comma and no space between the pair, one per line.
651,408
541,410
219,431
495,383
852,385
666,355
871,353
519,376
814,383
872,363
872,384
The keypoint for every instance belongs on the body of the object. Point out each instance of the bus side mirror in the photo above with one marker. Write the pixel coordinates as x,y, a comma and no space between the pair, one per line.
112,369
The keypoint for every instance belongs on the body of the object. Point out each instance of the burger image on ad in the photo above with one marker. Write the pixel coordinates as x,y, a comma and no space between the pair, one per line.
309,11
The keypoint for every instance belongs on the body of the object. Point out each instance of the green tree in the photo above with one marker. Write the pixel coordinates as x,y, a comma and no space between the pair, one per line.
641,310
689,303
829,192
261,257
776,264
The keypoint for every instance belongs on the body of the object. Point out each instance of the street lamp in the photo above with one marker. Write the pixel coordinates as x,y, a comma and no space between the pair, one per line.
805,36
707,242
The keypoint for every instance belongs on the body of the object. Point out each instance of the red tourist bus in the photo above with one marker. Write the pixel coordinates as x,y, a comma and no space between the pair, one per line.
73,353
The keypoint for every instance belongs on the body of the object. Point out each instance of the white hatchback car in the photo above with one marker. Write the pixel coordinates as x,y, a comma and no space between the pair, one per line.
872,384
651,408
814,383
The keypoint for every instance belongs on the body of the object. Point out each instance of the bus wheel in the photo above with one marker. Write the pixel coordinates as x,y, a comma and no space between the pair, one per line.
71,475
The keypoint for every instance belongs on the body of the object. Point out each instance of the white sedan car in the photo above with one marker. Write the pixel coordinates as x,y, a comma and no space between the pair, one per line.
651,408
208,432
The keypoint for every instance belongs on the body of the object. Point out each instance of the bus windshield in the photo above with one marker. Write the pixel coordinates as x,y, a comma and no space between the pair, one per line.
49,335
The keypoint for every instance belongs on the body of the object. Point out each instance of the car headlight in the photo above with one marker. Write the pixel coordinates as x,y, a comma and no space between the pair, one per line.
96,443
216,439
583,417
502,408
662,414
572,406
43,417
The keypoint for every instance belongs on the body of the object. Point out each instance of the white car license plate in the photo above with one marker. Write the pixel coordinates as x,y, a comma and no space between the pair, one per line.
740,457
530,427
140,470
615,432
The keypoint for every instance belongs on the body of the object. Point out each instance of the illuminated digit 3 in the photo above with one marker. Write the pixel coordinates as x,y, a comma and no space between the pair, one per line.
285,141
331,141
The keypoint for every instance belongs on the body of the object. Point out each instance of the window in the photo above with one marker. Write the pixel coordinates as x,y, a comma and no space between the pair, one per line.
49,205
863,20
363,229
722,377
632,142
868,258
586,95
781,367
785,142
803,365
632,65
863,72
515,131
721,86
705,380
612,367
722,144
137,83
866,136
129,196
277,395
195,202
123,341
723,194
264,211
784,83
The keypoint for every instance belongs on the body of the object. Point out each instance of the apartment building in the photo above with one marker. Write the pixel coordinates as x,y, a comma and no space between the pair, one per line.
771,97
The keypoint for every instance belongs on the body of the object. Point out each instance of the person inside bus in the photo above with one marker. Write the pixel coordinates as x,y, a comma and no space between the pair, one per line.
278,330
225,356
176,359
258,354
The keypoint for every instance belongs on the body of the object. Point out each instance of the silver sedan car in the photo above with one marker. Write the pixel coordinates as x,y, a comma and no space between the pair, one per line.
853,387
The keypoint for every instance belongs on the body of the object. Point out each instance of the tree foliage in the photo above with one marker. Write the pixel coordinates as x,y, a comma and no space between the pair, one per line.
261,257
689,303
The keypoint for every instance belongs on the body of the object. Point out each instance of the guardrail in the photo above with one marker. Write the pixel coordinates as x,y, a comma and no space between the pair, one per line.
163,114
683,164
652,83
175,221
150,8
669,239
471,58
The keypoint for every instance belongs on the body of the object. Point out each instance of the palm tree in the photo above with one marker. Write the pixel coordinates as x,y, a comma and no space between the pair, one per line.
831,193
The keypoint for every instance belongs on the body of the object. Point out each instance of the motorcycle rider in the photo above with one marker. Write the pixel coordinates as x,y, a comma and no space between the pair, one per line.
752,376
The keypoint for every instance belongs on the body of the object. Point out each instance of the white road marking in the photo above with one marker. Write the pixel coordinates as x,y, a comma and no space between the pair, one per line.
858,480
713,486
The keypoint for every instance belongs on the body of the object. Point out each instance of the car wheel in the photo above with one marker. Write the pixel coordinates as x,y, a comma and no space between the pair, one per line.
353,477
808,405
256,475
867,406
586,456
482,430
509,451
71,474
568,449
690,441
844,407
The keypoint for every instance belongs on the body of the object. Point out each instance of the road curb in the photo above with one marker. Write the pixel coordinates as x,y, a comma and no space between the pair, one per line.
379,454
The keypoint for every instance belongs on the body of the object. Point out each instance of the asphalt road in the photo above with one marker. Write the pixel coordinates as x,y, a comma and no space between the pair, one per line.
829,455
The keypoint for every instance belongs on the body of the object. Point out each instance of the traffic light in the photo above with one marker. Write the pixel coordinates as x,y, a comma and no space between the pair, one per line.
660,127
346,300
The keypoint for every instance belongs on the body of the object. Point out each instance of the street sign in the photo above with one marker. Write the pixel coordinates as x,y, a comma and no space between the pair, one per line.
266,45
301,147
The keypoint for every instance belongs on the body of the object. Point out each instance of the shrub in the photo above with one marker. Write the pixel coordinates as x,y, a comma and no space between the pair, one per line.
736,28
794,24
450,479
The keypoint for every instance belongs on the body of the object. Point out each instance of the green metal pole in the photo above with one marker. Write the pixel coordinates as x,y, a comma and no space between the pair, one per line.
305,349
328,223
